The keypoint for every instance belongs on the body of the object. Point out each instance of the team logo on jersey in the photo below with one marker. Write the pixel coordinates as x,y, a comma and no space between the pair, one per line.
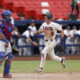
9,29
48,28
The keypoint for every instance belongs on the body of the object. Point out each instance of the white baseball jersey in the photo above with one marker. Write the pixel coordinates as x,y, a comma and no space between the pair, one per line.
26,33
78,32
74,31
50,30
33,29
68,33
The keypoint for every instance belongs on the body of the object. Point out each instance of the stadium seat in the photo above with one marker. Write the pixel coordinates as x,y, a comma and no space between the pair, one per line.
30,14
15,16
8,5
35,8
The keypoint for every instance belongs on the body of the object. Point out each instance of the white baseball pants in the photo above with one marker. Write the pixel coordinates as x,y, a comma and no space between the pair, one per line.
49,49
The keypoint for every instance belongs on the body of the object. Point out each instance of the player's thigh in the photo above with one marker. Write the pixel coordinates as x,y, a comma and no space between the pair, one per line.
8,49
51,46
2,46
45,50
51,53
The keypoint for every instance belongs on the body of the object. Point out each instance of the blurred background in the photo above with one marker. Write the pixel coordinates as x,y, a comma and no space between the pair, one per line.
29,14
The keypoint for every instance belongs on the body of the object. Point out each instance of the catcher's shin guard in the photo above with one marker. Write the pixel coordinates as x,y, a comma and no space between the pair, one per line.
2,57
7,64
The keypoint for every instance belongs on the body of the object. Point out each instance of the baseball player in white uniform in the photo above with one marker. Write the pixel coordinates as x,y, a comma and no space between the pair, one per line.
50,29
32,27
23,42
74,40
69,37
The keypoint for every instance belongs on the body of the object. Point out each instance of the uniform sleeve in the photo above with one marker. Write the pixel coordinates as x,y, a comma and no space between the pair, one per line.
78,32
26,34
1,25
57,26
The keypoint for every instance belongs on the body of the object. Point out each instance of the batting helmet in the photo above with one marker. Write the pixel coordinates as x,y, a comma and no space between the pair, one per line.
49,15
6,13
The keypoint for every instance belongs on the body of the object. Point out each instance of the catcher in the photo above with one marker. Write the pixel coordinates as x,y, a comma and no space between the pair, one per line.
6,29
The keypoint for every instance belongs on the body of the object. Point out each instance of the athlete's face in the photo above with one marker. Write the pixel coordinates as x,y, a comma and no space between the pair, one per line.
46,18
7,16
32,24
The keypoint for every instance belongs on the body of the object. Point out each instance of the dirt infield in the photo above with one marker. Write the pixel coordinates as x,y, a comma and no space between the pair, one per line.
45,76
73,57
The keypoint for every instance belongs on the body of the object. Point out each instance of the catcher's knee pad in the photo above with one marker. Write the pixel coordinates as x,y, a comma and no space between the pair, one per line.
10,56
2,56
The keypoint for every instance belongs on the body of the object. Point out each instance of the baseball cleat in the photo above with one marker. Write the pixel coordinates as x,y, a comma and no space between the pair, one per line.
63,62
39,70
6,76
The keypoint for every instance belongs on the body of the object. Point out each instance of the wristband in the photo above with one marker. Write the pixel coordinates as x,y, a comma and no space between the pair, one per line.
6,40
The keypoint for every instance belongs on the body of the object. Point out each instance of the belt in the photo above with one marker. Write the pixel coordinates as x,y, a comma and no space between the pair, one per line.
49,40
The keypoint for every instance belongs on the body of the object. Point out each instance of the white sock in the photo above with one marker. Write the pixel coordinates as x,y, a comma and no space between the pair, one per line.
42,63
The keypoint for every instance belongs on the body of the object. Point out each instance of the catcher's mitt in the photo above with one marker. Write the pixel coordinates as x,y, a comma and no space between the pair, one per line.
15,51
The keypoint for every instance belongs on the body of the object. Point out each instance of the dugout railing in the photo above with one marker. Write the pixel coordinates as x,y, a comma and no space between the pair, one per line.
62,43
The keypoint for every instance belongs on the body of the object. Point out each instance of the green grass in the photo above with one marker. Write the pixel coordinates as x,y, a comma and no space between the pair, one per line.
50,66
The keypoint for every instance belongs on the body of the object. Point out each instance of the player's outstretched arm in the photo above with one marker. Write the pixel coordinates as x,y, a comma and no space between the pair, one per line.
34,43
39,31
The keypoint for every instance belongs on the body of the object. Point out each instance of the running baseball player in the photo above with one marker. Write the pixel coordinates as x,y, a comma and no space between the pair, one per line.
5,47
49,29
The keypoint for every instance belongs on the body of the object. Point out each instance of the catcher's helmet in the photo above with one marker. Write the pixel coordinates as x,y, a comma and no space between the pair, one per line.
6,13
49,15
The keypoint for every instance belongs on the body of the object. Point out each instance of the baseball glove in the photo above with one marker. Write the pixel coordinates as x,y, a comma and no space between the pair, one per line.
15,51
